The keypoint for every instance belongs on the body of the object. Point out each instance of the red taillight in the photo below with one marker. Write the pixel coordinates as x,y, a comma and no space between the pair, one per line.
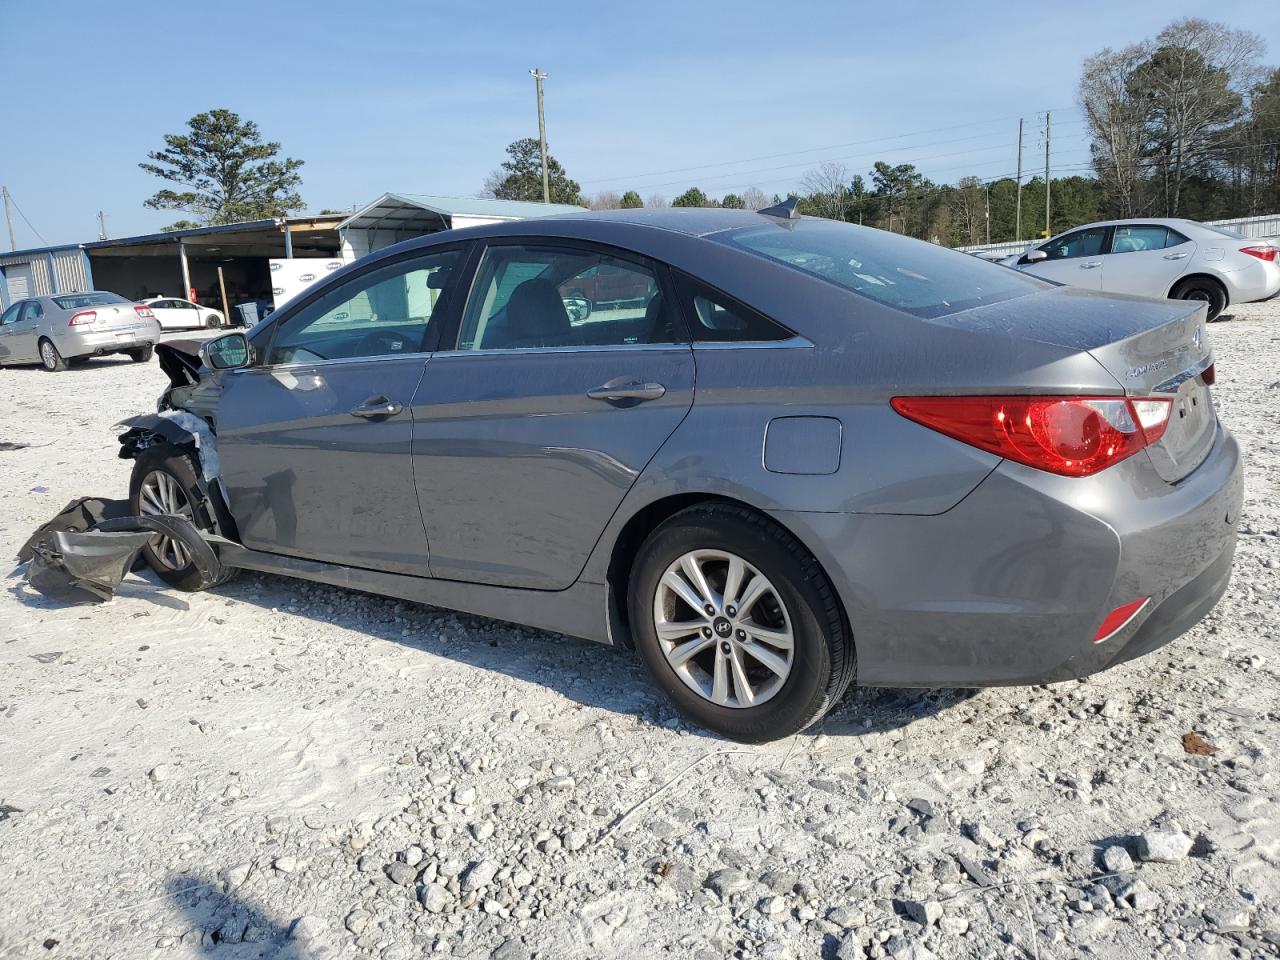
145,313
1070,436
84,316
1264,252
1118,618
1209,375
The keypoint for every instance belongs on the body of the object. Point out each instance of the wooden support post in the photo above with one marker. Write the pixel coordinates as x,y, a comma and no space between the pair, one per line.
226,310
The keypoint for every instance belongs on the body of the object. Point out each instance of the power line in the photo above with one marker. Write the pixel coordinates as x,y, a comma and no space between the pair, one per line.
25,220
792,153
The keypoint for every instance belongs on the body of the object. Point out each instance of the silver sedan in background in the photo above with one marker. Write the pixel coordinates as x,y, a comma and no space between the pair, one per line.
1174,259
58,330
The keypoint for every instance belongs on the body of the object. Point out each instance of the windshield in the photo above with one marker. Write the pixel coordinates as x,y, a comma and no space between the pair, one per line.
909,275
93,299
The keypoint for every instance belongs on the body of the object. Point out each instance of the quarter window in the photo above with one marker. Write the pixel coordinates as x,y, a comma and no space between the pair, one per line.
717,318
531,296
1082,243
1133,239
382,313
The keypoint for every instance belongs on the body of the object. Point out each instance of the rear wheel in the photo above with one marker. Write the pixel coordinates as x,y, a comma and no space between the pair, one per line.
1204,290
50,358
738,624
213,321
164,483
142,354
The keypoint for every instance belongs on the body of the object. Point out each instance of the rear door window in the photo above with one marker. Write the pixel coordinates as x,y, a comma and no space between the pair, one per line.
32,311
557,295
1140,237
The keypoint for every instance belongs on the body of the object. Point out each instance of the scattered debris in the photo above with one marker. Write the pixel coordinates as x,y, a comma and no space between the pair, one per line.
1193,743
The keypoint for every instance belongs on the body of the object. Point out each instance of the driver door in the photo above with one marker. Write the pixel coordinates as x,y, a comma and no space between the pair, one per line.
315,440
1074,258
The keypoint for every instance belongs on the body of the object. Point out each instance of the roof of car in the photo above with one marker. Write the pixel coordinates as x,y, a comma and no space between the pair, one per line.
694,221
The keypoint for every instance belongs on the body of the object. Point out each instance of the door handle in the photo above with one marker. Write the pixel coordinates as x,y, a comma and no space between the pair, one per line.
377,408
1091,265
1175,256
621,390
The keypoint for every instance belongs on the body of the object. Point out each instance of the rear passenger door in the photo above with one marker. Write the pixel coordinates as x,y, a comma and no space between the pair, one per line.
559,390
1145,259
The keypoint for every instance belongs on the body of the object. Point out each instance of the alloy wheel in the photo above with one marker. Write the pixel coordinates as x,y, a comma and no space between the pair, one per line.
160,495
723,628
49,355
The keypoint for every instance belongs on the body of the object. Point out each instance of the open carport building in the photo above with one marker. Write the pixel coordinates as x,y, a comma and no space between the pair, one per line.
170,264
400,216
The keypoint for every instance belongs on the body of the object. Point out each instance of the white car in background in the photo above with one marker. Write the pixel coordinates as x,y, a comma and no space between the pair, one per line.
1174,259
173,313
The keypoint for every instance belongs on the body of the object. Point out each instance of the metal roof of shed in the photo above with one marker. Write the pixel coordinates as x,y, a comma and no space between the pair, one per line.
423,212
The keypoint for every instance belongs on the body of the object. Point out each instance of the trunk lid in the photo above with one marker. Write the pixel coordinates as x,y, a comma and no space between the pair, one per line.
1153,348
116,317
1169,360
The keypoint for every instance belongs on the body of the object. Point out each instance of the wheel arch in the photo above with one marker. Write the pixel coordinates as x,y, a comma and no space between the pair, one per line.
648,518
1226,294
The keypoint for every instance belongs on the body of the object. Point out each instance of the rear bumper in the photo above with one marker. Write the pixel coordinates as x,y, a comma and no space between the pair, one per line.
107,341
1011,585
1256,281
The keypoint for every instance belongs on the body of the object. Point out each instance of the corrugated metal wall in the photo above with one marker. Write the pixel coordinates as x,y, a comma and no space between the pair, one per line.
68,265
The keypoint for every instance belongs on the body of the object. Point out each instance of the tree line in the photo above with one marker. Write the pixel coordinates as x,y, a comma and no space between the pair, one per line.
1186,123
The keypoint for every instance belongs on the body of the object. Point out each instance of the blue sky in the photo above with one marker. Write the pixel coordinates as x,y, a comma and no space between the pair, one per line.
423,97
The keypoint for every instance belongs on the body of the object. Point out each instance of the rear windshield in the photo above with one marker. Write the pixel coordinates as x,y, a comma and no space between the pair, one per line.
909,275
79,301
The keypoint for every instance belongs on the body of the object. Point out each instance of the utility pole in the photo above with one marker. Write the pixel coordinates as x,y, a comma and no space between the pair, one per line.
538,77
986,189
1048,122
8,218
102,226
1017,217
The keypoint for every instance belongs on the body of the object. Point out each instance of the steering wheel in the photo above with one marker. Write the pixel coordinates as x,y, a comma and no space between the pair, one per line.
378,342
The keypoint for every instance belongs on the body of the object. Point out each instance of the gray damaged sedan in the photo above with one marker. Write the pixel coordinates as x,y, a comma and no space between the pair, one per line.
773,455
59,330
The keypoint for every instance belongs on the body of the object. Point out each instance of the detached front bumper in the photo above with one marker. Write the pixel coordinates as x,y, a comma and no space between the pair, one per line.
1011,585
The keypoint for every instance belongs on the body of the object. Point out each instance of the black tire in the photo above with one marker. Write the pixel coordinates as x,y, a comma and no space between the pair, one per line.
823,654
213,322
177,465
1205,290
142,354
50,358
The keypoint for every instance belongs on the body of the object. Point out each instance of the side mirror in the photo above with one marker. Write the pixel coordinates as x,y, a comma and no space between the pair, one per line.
1035,256
578,308
231,351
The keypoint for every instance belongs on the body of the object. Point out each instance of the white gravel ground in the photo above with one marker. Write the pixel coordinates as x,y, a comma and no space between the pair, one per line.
283,770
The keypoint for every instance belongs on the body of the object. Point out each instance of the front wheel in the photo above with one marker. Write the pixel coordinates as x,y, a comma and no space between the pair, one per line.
1204,290
738,624
164,483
